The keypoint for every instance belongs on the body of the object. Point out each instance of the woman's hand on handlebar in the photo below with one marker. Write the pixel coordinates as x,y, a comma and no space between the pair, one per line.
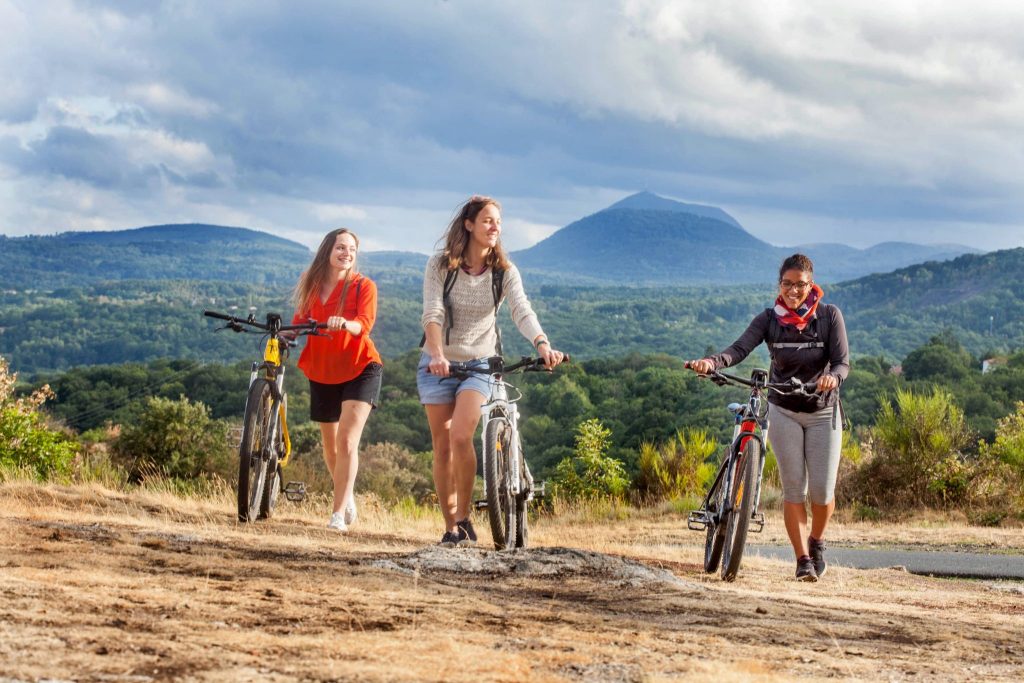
438,365
827,383
704,366
551,356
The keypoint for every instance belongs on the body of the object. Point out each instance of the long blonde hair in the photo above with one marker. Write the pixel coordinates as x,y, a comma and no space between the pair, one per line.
456,238
313,278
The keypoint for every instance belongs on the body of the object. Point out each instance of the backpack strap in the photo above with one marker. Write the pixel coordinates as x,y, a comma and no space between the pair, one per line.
446,290
497,284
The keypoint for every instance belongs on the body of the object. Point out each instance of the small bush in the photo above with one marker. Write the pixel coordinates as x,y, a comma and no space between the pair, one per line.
591,473
26,440
394,473
177,439
678,468
916,457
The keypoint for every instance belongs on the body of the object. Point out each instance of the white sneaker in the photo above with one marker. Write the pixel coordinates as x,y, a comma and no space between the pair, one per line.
350,511
338,522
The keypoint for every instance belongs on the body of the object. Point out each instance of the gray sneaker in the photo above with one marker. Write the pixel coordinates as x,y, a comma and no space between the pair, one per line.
805,569
817,549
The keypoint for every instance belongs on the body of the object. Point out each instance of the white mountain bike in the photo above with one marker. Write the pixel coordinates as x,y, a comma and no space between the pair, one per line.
508,484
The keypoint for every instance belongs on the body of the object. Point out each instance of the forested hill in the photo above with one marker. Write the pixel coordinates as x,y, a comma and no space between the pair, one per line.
184,252
979,297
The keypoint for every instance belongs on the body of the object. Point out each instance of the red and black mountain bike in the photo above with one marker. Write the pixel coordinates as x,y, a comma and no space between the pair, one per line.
731,504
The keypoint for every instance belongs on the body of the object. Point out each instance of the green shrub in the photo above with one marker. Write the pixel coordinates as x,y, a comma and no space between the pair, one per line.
591,473
678,468
26,440
916,457
394,473
177,439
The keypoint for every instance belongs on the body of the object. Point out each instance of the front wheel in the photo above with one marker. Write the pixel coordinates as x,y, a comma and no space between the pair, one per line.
255,449
501,504
525,485
714,540
271,489
741,505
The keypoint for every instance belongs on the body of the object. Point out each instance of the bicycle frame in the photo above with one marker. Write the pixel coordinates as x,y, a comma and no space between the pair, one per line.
274,373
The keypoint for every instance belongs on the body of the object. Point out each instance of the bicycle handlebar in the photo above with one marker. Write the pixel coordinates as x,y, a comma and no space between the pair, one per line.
496,366
309,326
793,386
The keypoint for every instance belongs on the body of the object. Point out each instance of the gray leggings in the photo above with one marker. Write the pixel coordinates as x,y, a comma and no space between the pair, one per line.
807,449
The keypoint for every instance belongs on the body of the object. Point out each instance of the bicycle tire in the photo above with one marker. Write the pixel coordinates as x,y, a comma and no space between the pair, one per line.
522,524
742,494
501,506
714,539
252,468
271,490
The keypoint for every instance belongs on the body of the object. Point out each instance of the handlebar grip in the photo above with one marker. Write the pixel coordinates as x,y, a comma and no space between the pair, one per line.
215,314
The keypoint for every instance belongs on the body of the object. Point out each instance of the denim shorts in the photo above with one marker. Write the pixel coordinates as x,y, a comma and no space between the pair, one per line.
436,390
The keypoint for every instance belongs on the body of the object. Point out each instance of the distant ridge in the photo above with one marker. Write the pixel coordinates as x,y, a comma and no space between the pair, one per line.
191,251
176,232
645,239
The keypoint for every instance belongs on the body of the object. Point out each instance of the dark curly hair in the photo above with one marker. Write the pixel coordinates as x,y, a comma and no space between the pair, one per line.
796,262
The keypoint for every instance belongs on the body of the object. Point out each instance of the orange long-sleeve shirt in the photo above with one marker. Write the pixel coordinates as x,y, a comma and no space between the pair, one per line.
341,356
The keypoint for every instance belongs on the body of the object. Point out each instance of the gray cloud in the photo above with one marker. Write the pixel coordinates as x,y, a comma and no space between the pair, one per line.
896,117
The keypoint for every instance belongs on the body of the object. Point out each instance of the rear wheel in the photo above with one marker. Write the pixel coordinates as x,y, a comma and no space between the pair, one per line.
741,504
501,505
254,450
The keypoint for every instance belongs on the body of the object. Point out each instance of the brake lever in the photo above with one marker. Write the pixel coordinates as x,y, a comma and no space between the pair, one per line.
234,327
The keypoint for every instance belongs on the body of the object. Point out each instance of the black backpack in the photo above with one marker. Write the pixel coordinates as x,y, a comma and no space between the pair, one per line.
821,332
497,285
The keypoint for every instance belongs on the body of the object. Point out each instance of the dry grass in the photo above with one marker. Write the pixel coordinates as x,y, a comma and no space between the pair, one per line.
104,585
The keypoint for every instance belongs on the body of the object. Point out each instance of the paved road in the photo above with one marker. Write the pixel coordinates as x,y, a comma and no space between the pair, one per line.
934,563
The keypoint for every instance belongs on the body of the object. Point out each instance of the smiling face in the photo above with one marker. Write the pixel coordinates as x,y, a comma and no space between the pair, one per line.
795,286
343,255
485,230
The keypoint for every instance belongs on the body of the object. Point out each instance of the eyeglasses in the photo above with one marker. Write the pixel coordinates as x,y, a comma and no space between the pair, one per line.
799,286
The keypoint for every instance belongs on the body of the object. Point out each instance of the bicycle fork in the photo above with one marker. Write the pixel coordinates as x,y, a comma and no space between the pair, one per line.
510,413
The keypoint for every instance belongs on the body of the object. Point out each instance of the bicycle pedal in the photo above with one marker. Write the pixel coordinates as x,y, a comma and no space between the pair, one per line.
479,504
757,519
295,491
697,521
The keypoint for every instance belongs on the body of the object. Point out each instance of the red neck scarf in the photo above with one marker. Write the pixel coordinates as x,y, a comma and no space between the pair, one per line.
802,315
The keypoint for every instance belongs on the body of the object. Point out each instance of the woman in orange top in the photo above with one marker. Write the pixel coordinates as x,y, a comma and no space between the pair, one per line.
343,367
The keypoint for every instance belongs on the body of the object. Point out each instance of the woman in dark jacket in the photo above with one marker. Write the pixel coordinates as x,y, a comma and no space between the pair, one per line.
807,340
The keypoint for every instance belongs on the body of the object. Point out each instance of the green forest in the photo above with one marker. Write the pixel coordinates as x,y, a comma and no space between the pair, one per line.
979,299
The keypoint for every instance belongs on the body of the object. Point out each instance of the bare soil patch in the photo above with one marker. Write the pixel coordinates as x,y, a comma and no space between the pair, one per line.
101,586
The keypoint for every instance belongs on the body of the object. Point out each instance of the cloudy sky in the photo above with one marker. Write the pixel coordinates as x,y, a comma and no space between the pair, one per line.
807,121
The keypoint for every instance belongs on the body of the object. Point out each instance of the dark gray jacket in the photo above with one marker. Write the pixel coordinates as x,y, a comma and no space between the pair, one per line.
806,364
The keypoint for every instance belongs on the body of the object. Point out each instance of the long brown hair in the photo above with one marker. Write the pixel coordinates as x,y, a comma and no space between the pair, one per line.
313,278
456,239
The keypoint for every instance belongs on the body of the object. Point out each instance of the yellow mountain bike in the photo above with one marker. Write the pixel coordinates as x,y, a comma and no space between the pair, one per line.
266,448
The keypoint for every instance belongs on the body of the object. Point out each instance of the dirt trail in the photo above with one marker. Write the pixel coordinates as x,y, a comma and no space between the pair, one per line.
99,586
